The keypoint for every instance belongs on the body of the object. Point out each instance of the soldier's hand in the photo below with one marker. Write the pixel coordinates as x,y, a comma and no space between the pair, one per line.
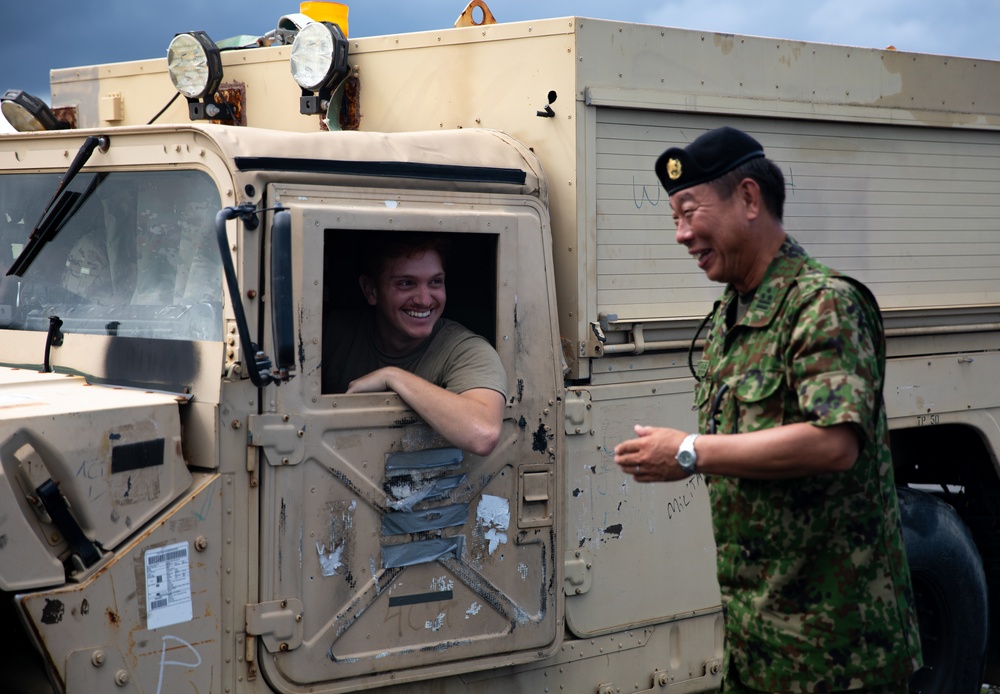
377,381
651,456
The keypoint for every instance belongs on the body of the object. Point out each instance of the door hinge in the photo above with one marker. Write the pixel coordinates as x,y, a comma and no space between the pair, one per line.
280,436
578,410
665,680
579,565
278,623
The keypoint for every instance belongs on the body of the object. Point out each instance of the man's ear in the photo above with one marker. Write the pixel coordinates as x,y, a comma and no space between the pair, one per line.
749,193
369,289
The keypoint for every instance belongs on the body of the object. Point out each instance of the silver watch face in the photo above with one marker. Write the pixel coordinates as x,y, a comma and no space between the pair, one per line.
686,460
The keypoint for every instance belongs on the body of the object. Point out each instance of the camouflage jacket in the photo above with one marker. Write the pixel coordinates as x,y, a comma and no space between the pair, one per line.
812,570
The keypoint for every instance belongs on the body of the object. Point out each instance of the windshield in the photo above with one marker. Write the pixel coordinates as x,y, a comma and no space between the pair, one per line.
138,258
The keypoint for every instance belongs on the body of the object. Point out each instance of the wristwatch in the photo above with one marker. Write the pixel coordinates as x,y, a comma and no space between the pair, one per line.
686,456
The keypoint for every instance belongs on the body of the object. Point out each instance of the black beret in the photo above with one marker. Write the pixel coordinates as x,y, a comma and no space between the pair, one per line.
710,156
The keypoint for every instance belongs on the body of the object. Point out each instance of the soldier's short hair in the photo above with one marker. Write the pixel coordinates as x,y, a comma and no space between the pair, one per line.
379,249
768,177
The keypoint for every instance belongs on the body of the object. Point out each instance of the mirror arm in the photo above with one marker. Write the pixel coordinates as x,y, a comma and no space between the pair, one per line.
260,371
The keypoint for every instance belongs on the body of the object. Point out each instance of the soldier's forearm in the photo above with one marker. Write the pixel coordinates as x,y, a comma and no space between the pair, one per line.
793,450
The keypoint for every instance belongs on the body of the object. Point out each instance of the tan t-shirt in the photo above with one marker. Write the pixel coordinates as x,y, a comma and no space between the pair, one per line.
453,357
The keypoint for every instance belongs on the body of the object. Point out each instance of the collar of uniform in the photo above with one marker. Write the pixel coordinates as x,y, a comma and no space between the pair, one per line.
778,278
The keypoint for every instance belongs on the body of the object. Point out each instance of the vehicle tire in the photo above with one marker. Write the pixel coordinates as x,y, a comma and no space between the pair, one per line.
951,595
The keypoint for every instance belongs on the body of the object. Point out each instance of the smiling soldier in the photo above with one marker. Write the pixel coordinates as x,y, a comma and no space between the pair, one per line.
810,558
449,375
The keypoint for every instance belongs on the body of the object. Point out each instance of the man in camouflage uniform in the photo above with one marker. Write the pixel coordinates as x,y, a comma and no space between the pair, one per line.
811,564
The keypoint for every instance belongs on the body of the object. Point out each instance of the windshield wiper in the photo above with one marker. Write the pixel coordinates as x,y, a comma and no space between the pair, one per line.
61,207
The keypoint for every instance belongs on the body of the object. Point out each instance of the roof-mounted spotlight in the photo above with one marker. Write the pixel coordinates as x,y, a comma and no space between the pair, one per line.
195,67
28,113
319,64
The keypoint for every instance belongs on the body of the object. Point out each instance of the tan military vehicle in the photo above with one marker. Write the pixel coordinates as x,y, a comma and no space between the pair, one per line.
182,507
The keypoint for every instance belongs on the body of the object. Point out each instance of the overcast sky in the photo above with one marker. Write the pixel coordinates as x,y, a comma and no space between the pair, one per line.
69,33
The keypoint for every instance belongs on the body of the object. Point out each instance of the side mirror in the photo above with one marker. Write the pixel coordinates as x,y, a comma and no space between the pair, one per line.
282,306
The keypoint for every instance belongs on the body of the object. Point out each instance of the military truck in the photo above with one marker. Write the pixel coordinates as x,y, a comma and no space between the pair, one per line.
185,509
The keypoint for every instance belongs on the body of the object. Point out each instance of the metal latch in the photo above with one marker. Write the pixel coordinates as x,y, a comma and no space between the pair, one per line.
281,436
536,496
83,549
278,624
595,347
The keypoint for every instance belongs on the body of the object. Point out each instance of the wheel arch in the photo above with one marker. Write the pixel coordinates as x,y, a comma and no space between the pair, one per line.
957,463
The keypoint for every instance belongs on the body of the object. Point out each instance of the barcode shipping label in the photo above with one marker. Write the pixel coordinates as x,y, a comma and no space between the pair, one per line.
168,585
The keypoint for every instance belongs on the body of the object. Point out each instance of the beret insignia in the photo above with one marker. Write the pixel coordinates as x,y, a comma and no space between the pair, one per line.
709,156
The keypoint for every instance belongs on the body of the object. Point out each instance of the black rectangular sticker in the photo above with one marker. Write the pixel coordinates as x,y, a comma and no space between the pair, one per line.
134,456
416,599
